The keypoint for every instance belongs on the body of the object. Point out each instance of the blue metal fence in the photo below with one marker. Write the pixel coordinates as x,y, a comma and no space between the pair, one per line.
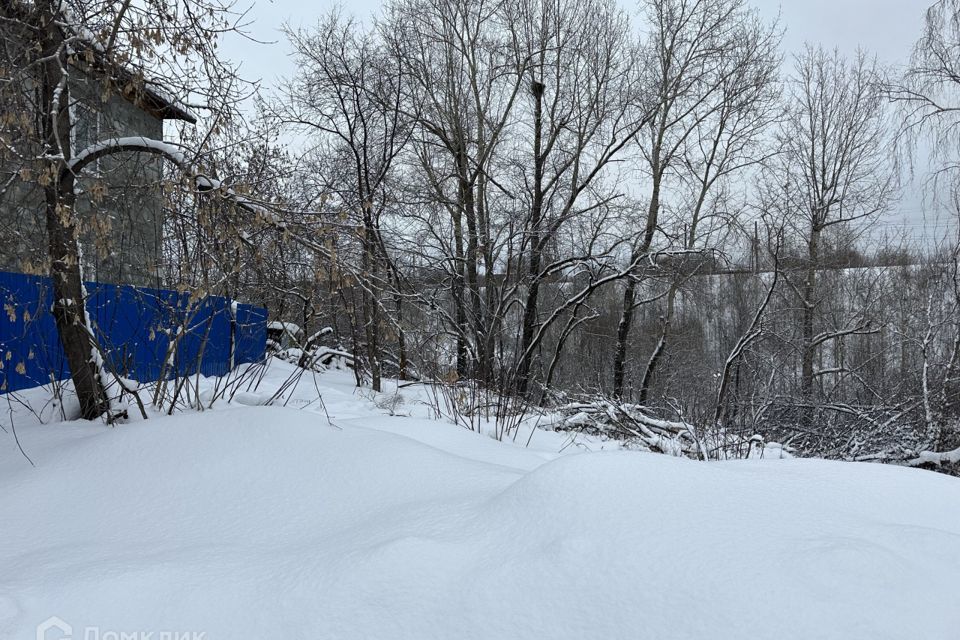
134,325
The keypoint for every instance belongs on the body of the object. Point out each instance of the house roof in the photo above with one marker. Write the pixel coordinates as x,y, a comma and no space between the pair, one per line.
147,94
154,99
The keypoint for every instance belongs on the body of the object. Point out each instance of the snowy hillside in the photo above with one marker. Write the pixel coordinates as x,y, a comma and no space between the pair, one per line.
272,522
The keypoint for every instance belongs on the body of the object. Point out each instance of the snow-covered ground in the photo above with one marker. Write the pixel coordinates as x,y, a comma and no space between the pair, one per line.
275,522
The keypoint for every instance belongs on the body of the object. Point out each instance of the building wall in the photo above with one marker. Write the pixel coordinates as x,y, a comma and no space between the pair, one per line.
119,201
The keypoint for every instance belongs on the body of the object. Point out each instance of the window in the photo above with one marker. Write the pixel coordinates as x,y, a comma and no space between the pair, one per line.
85,127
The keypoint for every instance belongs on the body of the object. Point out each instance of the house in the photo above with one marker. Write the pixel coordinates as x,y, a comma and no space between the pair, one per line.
120,203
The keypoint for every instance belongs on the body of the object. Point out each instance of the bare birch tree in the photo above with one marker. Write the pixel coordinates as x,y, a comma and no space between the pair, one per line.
928,93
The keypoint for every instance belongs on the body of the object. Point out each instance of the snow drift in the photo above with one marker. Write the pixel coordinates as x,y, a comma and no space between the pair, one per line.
265,522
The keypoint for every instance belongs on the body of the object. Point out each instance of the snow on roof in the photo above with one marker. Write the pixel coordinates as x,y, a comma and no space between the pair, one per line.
289,327
154,97
170,107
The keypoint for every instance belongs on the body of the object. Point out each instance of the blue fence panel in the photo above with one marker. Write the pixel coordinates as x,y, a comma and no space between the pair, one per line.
131,326
134,325
216,351
250,339
206,344
30,351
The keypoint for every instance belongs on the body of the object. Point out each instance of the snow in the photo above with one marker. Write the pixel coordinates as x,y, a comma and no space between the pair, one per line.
290,327
326,331
275,522
171,151
931,457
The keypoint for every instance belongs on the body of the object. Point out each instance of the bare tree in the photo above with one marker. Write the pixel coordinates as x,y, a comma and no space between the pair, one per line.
835,170
347,97
928,93
465,78
51,50
726,141
686,52
586,103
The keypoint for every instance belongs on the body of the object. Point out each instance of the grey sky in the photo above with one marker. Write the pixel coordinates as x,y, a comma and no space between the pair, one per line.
887,28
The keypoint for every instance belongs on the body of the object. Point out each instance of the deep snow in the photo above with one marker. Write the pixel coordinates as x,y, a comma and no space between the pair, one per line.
271,522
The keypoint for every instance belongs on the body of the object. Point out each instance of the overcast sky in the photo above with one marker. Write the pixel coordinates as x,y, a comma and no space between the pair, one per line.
887,28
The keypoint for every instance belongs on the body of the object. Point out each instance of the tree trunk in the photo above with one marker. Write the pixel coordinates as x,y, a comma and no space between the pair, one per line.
623,334
808,351
536,250
69,309
371,315
457,290
401,339
63,247
492,326
467,193
660,348
629,294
